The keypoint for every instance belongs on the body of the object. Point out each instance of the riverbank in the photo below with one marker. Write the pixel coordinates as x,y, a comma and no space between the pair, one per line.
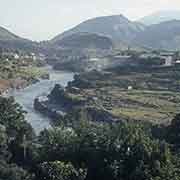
120,95
25,97
16,75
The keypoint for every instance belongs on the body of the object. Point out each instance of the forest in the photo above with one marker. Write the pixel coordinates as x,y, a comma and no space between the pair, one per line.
85,150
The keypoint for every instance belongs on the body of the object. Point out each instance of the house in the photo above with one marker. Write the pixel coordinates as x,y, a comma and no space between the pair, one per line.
168,57
177,63
168,61
16,56
148,55
130,88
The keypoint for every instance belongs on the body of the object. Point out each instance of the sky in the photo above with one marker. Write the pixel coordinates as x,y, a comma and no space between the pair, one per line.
43,19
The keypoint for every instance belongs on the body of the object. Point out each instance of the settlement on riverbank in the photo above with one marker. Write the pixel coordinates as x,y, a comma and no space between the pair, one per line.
18,73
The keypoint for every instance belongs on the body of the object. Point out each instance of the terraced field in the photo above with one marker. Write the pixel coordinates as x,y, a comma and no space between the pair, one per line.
148,100
154,106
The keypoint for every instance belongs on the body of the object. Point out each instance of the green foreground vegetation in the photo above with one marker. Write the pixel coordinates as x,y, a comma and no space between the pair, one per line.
86,150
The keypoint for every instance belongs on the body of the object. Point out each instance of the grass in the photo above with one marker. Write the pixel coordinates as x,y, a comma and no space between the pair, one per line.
144,114
155,95
156,106
34,72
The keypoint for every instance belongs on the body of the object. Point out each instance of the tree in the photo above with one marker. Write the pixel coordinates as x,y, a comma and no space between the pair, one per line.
173,131
58,170
4,154
110,151
13,172
12,117
12,128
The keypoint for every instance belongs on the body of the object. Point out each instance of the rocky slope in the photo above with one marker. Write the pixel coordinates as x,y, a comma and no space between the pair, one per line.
70,105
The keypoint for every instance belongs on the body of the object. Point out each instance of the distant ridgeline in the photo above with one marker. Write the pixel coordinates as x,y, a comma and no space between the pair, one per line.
9,40
101,32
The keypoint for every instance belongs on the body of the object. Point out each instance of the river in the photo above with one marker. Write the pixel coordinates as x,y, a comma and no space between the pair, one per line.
25,97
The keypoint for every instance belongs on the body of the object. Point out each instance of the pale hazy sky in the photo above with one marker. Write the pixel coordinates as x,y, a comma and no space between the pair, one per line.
43,19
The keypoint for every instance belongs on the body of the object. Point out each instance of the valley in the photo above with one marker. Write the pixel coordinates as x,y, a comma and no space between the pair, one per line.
151,96
99,101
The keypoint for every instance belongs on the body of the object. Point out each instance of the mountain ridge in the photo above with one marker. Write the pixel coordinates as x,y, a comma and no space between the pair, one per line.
165,35
7,35
10,40
116,27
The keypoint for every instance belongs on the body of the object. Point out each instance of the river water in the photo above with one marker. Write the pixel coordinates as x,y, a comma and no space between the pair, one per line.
25,97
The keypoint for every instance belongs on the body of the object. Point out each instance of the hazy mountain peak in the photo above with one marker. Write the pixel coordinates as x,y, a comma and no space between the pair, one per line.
160,16
116,27
165,35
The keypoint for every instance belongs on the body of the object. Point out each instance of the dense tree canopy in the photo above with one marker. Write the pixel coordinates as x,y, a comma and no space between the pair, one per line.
121,151
12,127
85,150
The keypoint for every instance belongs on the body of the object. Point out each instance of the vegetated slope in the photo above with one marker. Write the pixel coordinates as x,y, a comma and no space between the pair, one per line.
11,41
85,40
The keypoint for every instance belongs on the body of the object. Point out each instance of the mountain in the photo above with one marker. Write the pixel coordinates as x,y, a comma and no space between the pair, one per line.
123,32
116,27
6,35
165,35
84,41
159,17
11,41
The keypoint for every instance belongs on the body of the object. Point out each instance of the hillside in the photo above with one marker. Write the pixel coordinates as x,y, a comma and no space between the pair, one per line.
117,27
11,41
165,35
123,32
102,32
7,35
85,41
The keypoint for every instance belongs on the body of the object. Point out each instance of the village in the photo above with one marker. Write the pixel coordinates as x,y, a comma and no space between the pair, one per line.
81,61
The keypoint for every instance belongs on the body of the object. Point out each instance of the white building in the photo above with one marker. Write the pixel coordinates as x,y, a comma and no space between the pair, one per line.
16,56
168,60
